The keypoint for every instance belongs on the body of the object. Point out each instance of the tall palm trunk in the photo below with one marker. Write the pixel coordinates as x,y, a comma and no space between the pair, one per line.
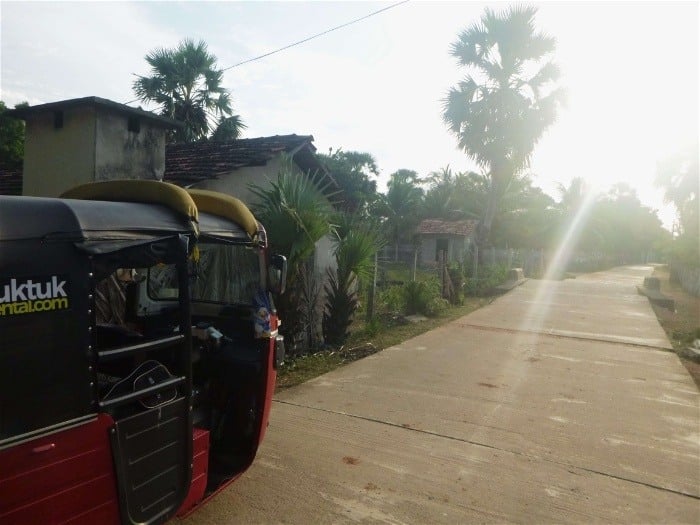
499,185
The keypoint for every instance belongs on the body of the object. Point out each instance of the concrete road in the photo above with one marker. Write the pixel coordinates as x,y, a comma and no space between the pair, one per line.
557,403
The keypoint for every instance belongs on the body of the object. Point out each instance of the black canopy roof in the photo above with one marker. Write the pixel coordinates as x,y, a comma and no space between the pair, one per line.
81,220
41,218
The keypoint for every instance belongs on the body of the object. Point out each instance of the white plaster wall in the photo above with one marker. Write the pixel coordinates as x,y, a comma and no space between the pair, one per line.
455,248
124,154
237,183
428,246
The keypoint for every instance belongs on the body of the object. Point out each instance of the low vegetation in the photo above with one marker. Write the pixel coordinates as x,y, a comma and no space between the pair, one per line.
366,339
682,326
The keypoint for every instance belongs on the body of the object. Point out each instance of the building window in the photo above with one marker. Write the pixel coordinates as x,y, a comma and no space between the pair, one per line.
134,124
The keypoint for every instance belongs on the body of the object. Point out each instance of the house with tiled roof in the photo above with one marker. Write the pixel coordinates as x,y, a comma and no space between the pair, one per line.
452,237
232,166
90,139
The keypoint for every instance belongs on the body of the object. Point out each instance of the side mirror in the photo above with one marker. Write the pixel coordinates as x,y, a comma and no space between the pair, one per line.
277,274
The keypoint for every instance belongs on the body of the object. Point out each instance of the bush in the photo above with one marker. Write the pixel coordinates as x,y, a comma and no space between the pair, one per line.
373,327
488,278
457,279
391,300
423,297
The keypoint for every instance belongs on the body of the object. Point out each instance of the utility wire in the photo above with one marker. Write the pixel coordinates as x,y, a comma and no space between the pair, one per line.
317,35
346,24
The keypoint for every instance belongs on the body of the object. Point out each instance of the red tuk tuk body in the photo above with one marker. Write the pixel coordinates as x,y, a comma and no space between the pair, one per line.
106,424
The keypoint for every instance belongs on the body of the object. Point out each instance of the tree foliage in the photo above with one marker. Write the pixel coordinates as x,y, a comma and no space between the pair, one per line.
402,206
508,98
679,178
354,171
11,138
296,215
358,240
187,86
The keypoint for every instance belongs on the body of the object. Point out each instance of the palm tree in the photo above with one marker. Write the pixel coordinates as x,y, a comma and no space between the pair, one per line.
296,215
186,85
359,239
228,128
679,178
499,111
402,205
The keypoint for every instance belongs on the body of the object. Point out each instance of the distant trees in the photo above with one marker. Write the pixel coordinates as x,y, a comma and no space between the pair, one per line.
402,206
11,138
499,111
187,86
355,173
679,178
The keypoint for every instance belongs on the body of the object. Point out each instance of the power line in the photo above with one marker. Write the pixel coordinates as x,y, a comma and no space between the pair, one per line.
317,35
346,24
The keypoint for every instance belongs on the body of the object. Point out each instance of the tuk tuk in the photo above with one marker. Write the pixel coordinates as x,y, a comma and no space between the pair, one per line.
138,415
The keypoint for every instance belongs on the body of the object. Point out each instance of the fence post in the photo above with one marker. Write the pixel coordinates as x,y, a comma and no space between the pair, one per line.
372,291
415,263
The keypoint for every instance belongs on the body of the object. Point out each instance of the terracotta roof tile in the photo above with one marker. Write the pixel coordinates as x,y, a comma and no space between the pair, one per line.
194,162
438,226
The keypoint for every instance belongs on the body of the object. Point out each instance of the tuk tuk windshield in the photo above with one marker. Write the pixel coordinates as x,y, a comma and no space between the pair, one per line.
223,273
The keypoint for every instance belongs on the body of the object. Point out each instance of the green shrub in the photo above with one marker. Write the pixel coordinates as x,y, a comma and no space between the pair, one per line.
421,296
488,278
391,300
436,306
373,327
457,279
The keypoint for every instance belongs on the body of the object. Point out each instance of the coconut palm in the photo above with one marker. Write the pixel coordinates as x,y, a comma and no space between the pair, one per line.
186,85
499,111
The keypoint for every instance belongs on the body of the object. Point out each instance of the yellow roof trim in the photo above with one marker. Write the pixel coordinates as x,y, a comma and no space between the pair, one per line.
144,191
226,206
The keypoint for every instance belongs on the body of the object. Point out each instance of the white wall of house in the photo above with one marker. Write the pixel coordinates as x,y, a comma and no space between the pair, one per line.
238,182
456,246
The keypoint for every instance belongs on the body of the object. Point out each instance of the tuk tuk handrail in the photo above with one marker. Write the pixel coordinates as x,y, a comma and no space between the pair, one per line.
148,346
133,396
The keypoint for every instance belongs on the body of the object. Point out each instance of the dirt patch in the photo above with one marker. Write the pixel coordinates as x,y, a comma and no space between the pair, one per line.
681,324
348,460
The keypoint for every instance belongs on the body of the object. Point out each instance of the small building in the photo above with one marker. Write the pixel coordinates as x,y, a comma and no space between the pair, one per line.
233,166
89,139
452,237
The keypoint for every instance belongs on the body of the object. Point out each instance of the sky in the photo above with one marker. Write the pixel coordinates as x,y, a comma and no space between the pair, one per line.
630,70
